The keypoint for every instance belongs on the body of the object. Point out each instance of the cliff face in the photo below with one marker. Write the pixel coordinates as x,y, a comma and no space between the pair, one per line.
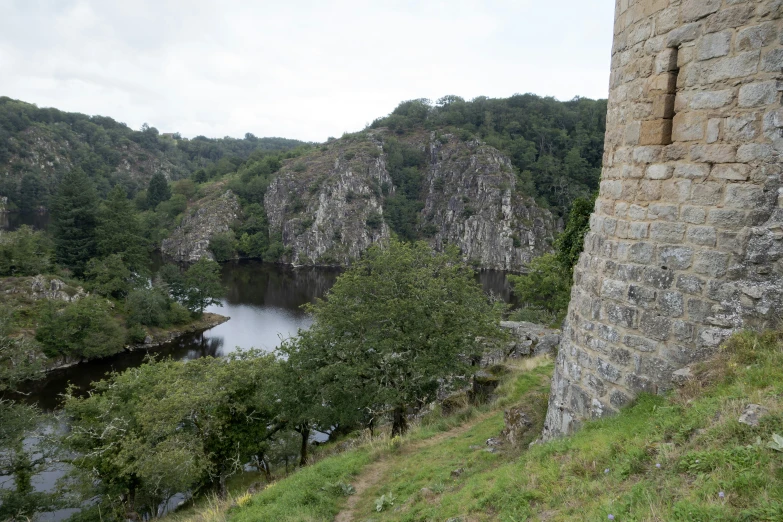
190,240
329,206
471,200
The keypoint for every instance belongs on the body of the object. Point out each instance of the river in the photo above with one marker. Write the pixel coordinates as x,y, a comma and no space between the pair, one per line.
264,302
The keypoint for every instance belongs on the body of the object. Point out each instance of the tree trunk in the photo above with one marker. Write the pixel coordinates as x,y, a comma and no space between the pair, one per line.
399,422
304,431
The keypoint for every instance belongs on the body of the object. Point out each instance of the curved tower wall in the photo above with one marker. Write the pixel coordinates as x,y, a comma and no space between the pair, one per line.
686,241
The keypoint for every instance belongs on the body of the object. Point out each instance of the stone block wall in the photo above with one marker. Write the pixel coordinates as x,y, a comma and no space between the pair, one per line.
686,241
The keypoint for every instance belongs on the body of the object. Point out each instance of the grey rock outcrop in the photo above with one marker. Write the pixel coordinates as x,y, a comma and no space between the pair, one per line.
42,287
527,340
327,207
517,425
190,240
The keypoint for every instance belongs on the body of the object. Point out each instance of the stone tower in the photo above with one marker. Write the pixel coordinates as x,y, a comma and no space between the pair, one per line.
686,241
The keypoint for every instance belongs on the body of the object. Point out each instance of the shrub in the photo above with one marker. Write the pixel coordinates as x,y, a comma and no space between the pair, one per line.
85,328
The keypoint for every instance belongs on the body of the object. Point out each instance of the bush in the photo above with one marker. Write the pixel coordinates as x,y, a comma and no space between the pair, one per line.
147,306
223,246
85,328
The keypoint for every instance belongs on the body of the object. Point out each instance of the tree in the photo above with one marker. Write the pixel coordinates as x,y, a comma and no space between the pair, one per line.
169,426
119,232
158,190
202,285
109,277
24,252
74,220
399,324
84,328
19,423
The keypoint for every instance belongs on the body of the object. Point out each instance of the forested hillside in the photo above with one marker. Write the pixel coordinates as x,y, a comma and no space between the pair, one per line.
37,145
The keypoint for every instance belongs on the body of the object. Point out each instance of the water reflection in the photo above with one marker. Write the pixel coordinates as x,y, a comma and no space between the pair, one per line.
14,220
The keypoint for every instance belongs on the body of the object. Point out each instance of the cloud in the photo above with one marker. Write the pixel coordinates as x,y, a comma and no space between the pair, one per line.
300,69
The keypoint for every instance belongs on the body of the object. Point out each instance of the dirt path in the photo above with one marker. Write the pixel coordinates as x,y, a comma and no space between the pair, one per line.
373,473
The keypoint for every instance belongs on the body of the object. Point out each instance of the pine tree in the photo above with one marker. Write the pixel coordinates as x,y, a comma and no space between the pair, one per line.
73,221
119,231
158,190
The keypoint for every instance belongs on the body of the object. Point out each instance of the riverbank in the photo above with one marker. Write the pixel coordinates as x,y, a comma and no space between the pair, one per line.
156,337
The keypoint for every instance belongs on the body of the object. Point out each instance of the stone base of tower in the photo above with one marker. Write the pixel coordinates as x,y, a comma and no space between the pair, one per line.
686,242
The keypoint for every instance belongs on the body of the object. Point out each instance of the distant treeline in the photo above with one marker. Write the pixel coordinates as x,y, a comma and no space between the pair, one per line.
556,147
37,145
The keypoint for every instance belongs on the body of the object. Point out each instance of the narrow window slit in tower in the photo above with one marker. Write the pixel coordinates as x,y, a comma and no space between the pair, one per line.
667,110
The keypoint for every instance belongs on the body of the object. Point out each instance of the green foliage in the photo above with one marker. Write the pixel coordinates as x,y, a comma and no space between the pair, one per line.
384,501
148,306
545,290
395,324
556,147
198,287
24,252
167,427
401,210
571,242
74,218
118,231
547,284
109,277
16,361
158,190
223,246
84,328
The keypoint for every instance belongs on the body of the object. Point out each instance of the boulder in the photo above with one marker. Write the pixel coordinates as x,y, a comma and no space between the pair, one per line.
752,414
42,287
517,425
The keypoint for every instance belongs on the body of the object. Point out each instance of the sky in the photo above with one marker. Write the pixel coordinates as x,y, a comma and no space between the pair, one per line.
298,69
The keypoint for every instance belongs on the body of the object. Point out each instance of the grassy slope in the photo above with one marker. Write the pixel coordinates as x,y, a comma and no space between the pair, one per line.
610,467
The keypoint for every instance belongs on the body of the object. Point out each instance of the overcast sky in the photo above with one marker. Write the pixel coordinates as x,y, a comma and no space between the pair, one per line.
294,68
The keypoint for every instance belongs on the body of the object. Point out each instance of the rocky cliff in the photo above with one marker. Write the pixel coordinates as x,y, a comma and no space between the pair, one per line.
332,204
212,215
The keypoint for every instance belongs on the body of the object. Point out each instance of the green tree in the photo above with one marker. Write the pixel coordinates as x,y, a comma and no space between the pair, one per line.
168,426
84,328
572,241
24,252
202,286
395,326
109,277
119,231
158,190
19,422
545,287
73,221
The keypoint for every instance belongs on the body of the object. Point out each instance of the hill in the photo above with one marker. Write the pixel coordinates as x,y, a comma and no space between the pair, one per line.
38,144
694,455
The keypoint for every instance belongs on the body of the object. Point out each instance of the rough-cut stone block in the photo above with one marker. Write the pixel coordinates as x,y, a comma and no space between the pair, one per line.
758,94
700,100
660,171
642,253
702,236
772,61
641,296
757,36
714,153
690,284
658,278
696,9
655,326
713,130
691,170
713,45
706,194
608,372
676,258
744,196
689,126
671,304
730,18
655,132
682,34
741,128
694,215
712,264
739,66
731,172
725,218
667,232
754,152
